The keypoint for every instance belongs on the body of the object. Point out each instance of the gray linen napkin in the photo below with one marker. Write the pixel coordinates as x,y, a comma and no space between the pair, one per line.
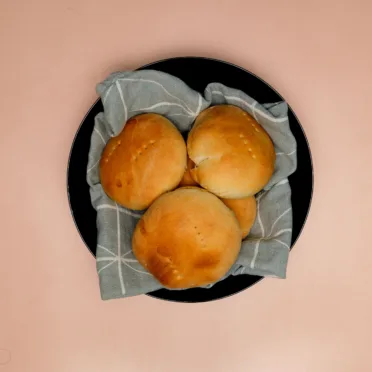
126,94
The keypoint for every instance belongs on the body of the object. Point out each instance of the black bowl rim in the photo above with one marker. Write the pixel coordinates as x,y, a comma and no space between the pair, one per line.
212,60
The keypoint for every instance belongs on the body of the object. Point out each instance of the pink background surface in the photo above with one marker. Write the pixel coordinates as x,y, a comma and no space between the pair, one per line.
317,54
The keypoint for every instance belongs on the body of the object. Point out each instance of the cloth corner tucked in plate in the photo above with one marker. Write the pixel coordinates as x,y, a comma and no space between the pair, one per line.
126,94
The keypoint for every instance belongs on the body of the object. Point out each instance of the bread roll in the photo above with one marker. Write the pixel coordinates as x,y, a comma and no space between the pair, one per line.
245,212
187,180
234,156
145,160
187,238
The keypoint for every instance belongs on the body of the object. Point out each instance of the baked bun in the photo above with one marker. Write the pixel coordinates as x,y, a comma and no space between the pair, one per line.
187,180
234,156
187,238
245,211
145,160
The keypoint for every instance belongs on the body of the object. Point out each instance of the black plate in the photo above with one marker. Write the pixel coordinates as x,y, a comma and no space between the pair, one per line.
197,73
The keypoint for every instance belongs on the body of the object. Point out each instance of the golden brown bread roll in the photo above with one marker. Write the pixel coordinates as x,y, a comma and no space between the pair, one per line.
187,180
234,156
245,212
145,160
187,238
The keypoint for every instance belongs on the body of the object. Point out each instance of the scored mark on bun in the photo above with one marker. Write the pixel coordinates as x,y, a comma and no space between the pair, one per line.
200,236
255,127
114,147
246,142
144,147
